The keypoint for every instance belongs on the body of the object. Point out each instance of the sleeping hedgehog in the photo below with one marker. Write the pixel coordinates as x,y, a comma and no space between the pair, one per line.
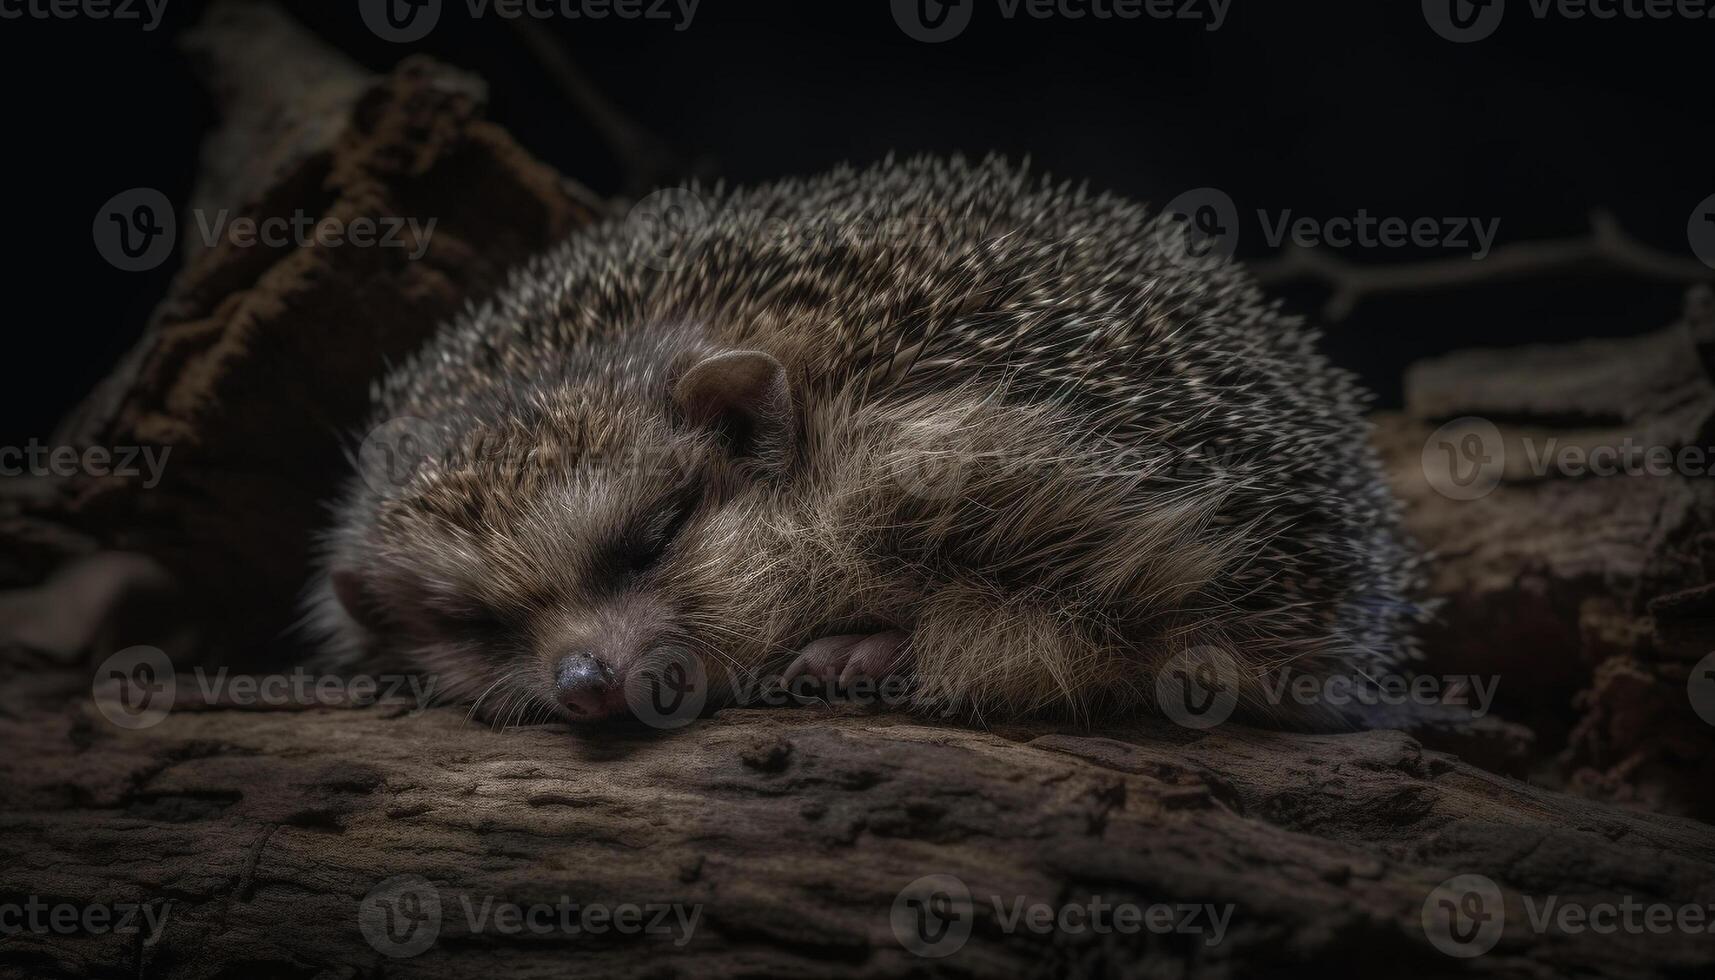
986,434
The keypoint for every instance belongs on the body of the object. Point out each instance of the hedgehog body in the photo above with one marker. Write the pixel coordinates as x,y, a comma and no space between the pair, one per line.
986,432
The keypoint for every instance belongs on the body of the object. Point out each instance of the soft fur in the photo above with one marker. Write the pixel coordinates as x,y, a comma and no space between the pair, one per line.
1016,429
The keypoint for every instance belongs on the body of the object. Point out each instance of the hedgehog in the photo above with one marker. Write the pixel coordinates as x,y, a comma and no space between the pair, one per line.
1003,440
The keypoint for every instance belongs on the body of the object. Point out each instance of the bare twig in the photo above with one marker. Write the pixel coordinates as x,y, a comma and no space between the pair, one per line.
1607,248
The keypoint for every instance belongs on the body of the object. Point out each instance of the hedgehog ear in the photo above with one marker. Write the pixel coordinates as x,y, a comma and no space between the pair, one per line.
743,396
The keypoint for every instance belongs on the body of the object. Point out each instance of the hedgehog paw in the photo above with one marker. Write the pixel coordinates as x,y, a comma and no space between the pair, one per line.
850,657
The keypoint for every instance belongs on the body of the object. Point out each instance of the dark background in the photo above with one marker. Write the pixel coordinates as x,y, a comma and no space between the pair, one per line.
1318,107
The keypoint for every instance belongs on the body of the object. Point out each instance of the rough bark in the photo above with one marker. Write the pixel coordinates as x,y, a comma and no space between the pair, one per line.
794,830
1588,595
253,374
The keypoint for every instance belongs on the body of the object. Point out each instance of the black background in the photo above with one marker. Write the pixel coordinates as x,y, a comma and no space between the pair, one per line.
1323,108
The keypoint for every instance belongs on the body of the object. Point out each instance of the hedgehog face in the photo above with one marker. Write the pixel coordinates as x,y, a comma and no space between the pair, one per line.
539,568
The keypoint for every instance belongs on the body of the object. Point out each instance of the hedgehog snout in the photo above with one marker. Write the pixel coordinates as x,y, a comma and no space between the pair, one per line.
585,684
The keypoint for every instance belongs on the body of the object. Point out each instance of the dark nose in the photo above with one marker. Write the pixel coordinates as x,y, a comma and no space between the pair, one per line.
583,684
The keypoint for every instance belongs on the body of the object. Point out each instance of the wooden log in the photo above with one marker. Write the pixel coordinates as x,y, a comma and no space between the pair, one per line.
1582,576
787,836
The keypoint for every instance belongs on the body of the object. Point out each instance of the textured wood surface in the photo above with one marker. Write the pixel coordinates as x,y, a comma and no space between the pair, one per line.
788,834
1588,594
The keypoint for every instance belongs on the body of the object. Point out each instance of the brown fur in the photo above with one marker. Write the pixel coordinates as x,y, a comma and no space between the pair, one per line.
1018,432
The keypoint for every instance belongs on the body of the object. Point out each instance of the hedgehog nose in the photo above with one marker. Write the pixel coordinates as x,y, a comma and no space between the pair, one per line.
583,683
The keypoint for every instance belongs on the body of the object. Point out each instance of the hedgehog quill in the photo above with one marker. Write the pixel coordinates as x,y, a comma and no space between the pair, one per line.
1006,446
